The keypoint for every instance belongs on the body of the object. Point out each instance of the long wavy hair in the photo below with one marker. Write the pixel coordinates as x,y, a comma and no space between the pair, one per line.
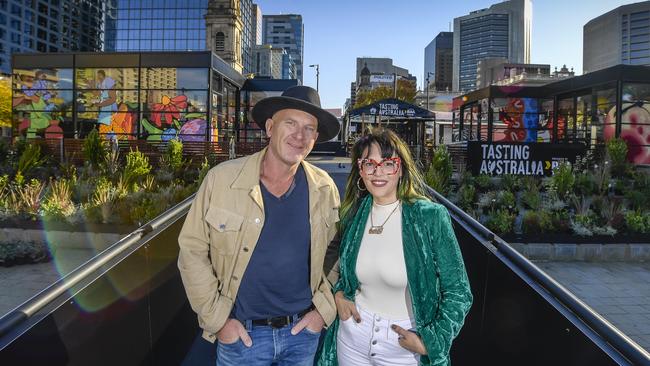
411,186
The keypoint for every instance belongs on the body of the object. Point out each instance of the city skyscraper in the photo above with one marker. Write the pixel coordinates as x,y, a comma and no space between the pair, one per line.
257,24
502,30
286,31
438,60
55,26
626,32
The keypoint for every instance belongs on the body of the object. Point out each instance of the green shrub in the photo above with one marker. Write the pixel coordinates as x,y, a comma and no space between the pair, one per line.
14,253
511,182
58,200
467,197
530,183
636,222
531,199
94,149
584,184
175,154
537,222
483,182
562,180
30,159
500,221
203,171
137,167
438,176
506,200
617,152
26,199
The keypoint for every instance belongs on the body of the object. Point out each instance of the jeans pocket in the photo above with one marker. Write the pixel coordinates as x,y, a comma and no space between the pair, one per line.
310,332
229,344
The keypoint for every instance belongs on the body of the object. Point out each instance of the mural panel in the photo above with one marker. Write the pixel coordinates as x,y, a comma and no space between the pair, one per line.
635,122
168,114
42,98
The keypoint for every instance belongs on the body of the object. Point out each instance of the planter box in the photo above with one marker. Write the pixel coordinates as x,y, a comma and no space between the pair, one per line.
566,238
57,235
64,226
558,252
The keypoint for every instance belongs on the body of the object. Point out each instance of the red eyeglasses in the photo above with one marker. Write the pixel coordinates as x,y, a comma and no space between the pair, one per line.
388,166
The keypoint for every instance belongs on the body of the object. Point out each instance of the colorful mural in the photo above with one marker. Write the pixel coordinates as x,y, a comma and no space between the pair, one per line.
156,104
40,101
169,119
635,122
635,130
521,118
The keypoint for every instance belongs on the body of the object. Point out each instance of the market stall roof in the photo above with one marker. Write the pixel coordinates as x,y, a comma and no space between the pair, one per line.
393,108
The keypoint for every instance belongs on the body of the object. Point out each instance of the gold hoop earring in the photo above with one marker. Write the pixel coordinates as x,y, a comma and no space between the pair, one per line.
359,185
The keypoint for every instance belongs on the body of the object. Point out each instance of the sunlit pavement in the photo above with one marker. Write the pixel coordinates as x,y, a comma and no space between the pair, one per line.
20,283
619,291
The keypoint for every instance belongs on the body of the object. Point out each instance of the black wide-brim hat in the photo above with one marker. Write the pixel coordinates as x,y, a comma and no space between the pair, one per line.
302,98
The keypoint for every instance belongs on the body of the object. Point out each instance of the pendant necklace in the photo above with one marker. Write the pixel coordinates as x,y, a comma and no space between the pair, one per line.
380,228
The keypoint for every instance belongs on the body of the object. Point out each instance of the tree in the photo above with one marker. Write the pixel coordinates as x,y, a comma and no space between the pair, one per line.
5,102
405,91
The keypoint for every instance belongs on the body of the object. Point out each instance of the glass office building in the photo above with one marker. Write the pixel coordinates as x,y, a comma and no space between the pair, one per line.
157,25
287,31
502,30
55,26
491,27
175,25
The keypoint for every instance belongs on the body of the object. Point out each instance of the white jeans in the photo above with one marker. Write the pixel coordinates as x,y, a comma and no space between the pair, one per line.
372,342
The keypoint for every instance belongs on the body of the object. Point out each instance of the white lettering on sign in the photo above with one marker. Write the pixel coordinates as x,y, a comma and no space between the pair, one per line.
394,110
509,159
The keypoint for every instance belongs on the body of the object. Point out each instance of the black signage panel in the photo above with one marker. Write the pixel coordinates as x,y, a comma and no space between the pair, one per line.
520,158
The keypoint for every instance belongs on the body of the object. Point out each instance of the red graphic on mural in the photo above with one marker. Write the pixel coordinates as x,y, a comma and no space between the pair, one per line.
512,115
168,109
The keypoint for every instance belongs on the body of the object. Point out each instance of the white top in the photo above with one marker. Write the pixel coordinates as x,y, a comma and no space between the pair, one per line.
381,269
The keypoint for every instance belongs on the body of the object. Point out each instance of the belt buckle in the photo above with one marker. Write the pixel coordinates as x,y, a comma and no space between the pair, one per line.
278,322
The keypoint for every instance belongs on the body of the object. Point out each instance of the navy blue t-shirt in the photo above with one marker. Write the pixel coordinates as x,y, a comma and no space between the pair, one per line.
276,281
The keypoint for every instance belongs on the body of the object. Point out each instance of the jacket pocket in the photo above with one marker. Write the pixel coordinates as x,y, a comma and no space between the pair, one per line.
330,216
224,229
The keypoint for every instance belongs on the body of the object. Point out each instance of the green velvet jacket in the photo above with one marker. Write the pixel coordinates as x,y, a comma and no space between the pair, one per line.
437,280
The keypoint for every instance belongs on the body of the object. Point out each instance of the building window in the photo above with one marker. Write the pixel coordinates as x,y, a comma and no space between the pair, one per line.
219,41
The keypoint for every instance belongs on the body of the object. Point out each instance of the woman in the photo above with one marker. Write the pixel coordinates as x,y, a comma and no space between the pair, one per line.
402,294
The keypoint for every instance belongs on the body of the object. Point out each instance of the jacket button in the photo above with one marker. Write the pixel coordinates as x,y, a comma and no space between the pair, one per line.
246,249
234,278
374,342
257,220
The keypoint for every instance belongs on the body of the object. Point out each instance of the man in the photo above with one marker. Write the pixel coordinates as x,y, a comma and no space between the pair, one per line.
253,244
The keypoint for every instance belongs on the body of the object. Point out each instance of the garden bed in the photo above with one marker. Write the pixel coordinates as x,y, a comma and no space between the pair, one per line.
599,199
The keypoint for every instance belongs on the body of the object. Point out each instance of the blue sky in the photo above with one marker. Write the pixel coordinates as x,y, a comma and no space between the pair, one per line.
337,32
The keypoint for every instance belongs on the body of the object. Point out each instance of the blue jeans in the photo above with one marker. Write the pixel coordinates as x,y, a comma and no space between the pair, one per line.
271,346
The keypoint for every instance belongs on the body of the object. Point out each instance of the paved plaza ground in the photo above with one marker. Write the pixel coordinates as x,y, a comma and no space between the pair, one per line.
20,283
619,291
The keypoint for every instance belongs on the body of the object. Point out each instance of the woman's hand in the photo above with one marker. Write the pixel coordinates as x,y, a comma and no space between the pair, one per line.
346,308
409,340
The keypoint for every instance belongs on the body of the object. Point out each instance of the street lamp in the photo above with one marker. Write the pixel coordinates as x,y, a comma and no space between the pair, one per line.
429,73
317,73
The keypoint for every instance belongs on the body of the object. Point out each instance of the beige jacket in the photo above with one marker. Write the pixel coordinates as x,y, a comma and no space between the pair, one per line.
222,228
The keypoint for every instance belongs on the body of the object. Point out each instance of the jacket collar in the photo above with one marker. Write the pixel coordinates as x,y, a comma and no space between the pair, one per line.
249,176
